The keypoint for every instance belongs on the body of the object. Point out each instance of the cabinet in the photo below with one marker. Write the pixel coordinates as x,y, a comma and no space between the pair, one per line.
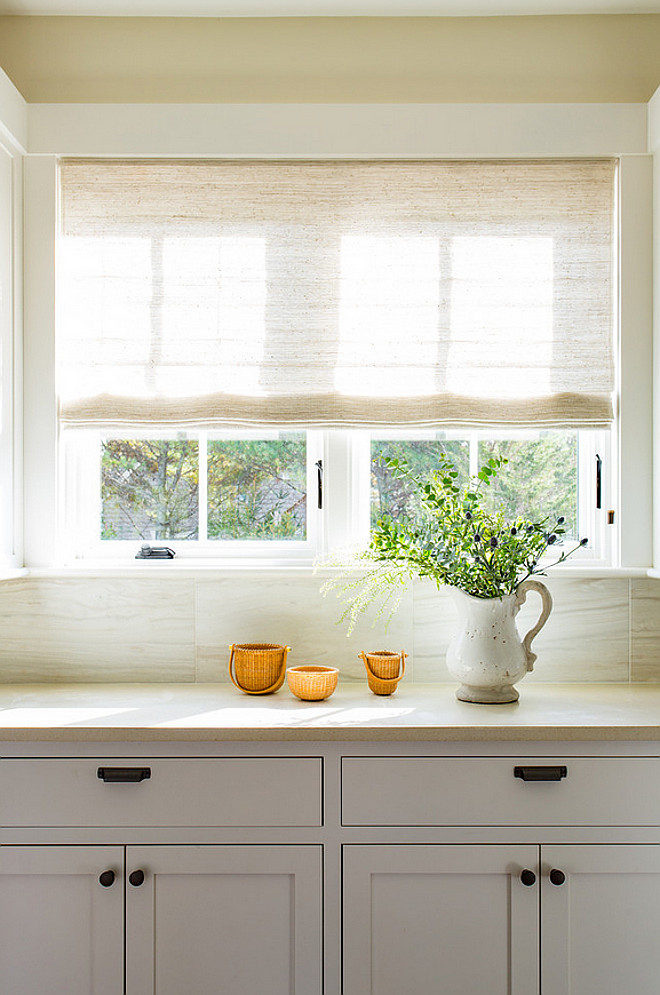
158,918
363,868
497,791
440,918
202,919
550,917
61,931
599,928
462,919
161,791
209,919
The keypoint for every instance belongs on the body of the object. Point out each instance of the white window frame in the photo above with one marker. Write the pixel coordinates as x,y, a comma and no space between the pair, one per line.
601,551
13,146
341,525
633,515
11,321
80,506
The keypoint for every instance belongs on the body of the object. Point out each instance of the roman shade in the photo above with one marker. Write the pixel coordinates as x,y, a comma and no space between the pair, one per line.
336,293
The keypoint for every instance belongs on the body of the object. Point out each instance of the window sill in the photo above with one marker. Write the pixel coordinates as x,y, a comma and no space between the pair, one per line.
12,573
193,569
171,568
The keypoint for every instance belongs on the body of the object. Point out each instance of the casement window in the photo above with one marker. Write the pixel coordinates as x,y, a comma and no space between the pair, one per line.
237,341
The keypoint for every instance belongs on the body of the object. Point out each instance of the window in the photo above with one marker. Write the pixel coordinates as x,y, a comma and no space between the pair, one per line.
219,323
196,491
550,473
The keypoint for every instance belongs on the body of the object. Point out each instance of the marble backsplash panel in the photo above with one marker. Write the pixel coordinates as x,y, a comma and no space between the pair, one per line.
289,611
178,629
83,629
586,637
645,631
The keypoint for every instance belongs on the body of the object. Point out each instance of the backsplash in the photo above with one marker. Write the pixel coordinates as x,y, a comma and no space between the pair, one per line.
178,629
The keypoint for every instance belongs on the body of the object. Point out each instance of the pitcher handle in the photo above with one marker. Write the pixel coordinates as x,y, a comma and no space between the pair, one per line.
546,608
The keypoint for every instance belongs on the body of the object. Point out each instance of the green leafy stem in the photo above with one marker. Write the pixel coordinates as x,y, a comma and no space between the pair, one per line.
454,542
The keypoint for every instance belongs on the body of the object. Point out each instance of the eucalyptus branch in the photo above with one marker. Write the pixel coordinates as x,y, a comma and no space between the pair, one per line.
564,556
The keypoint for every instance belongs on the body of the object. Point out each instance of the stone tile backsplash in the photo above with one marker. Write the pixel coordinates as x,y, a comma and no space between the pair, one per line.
178,629
290,611
585,639
83,629
645,630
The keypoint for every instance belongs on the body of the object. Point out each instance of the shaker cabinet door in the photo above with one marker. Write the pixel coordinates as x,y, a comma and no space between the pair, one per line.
440,918
600,919
61,928
241,920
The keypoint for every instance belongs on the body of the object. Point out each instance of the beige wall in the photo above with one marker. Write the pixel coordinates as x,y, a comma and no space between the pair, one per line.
608,58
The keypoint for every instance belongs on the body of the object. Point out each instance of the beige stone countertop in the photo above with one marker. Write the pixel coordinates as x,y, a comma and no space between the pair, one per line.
217,712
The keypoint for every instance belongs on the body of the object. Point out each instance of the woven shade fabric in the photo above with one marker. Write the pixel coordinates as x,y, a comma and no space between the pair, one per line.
336,293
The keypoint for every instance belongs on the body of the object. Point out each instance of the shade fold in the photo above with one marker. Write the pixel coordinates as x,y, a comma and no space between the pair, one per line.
336,293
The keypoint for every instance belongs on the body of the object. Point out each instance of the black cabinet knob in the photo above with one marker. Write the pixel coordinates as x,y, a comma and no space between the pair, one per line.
528,877
107,878
136,878
557,877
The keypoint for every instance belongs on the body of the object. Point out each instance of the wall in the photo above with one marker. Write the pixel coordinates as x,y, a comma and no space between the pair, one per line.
13,140
654,147
178,628
606,58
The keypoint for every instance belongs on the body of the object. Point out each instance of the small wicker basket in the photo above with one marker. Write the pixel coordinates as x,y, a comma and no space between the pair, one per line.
258,668
312,683
384,670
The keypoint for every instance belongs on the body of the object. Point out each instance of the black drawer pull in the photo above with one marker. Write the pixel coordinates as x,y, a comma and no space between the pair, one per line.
136,878
528,878
107,879
540,773
125,775
557,877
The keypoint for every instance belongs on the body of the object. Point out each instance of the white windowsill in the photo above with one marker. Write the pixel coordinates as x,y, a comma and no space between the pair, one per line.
12,573
187,569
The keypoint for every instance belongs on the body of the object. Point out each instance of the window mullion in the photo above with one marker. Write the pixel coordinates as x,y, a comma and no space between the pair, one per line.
473,440
346,488
202,487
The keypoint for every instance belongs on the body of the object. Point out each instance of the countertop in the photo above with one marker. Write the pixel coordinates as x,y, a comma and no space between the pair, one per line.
217,712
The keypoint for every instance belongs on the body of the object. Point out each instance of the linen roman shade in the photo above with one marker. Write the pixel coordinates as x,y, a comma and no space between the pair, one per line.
336,293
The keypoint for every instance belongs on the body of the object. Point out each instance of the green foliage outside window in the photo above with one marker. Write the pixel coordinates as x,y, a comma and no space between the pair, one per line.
397,496
257,489
149,489
541,478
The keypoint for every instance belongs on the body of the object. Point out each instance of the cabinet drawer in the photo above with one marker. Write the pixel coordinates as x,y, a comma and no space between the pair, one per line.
436,791
254,791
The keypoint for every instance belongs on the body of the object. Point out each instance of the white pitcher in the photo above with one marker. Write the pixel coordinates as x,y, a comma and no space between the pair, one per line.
487,654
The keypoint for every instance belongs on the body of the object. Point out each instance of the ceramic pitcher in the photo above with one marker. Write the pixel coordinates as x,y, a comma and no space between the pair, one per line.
487,654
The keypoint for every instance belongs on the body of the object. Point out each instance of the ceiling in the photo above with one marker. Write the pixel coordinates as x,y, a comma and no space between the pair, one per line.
323,8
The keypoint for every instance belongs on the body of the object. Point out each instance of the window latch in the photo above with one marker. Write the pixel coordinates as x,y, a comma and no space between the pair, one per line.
599,481
319,482
147,552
